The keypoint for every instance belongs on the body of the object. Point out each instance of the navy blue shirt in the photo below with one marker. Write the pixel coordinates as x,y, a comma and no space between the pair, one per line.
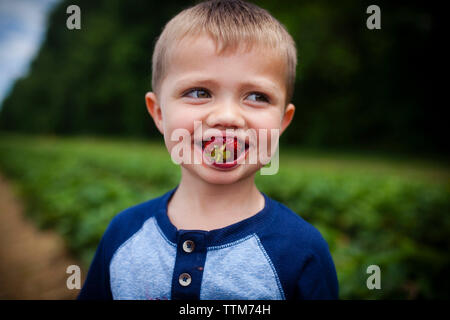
272,255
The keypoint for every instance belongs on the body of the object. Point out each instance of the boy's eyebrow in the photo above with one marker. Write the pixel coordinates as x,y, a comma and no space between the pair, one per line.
200,81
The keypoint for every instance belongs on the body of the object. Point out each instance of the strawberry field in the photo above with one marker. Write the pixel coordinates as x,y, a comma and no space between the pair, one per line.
372,210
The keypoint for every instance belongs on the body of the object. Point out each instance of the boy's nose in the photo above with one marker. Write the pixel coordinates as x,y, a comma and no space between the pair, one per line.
226,115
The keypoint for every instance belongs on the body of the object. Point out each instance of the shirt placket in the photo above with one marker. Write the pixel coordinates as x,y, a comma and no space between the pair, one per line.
189,265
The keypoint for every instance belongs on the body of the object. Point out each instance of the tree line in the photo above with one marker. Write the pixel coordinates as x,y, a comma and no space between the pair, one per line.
355,87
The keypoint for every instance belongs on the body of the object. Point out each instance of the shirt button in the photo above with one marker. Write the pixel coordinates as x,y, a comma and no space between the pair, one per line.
185,279
188,246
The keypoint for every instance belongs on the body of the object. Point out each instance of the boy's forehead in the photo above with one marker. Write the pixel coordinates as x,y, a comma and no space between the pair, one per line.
205,44
198,52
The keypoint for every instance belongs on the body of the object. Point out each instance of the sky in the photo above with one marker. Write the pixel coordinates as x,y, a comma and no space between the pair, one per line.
22,28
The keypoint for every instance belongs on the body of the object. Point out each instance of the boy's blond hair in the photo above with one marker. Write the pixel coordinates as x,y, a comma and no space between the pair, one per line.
230,23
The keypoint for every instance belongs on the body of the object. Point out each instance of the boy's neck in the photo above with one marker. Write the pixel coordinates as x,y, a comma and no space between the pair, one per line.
199,205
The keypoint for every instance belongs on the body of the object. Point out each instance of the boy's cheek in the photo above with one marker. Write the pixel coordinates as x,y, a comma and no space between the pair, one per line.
267,143
179,144
179,119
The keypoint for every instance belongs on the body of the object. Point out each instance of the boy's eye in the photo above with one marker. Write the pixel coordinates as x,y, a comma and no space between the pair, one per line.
197,94
258,97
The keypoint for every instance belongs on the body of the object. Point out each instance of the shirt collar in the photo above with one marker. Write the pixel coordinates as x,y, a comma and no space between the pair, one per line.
216,237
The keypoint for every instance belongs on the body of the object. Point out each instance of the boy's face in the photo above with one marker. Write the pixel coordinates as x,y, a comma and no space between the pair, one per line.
239,91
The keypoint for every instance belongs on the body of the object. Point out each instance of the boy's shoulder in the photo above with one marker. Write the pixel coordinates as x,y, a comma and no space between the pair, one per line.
292,232
300,255
287,228
130,220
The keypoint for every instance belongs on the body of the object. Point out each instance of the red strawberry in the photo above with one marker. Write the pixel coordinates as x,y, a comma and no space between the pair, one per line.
235,148
206,143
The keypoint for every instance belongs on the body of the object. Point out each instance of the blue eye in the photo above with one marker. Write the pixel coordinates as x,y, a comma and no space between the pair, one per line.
258,97
197,94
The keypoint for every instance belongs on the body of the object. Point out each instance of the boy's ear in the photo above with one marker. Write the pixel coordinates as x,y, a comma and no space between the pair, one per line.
154,109
287,117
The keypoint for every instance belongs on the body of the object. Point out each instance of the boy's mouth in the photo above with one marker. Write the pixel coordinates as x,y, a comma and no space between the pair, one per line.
224,152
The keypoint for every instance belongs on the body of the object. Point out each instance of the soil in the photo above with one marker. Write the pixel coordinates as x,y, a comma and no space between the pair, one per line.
33,262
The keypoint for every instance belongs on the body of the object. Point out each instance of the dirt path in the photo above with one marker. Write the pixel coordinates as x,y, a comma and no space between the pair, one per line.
32,262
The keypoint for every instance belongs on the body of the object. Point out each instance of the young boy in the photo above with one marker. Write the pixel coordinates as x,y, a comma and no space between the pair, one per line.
227,66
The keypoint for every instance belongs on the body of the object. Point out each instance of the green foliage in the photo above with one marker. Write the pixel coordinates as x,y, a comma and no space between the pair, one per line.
399,225
367,215
76,187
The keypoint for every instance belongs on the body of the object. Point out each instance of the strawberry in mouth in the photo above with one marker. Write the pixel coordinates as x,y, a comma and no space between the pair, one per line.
224,152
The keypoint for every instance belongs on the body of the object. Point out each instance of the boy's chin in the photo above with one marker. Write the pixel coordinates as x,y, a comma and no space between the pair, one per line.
217,176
